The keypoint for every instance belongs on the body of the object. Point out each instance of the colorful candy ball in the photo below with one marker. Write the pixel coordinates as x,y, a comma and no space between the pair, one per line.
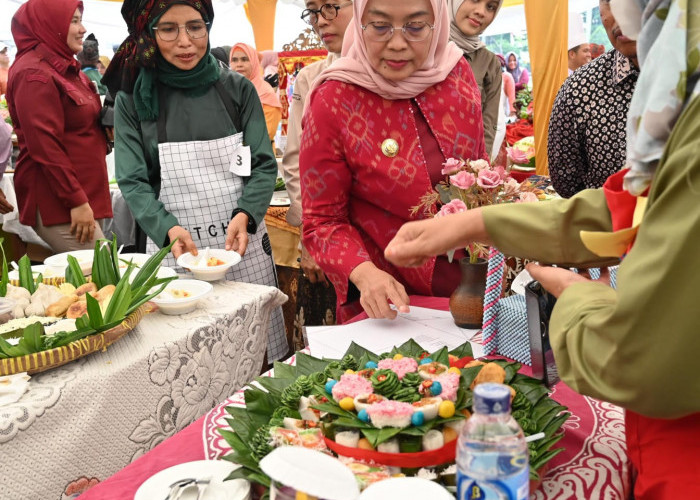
454,369
446,409
348,404
363,415
371,365
417,418
436,388
425,361
329,386
398,357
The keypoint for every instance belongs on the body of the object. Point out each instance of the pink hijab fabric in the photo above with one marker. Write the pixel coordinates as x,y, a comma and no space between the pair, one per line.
265,92
354,67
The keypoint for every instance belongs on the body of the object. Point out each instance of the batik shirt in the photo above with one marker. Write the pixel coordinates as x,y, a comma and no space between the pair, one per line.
587,139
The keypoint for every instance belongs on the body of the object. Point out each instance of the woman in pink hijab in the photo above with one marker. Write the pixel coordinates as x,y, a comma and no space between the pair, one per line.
244,59
379,124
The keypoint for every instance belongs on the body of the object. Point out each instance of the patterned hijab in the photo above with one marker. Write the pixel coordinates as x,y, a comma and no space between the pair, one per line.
354,67
668,49
468,44
45,23
139,49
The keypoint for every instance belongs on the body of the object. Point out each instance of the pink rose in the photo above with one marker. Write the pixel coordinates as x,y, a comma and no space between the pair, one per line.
501,172
528,196
510,187
453,207
488,179
517,156
462,180
478,165
451,166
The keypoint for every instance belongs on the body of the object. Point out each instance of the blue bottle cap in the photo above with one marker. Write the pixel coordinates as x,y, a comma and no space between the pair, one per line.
491,398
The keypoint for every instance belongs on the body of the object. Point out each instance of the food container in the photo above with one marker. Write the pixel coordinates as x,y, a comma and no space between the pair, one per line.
298,472
203,269
181,296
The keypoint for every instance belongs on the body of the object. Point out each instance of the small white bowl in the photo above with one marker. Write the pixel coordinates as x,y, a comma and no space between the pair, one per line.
198,266
169,303
84,258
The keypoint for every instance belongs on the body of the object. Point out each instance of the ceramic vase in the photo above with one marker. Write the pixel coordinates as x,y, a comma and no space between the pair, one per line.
467,301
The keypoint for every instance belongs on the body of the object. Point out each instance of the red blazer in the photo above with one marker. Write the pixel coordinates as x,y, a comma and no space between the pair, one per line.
354,197
61,165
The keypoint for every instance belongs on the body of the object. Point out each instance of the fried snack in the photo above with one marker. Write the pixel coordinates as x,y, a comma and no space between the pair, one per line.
491,372
58,309
512,393
104,292
76,309
83,289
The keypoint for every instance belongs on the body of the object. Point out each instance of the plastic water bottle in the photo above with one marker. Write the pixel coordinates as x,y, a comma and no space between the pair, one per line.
492,456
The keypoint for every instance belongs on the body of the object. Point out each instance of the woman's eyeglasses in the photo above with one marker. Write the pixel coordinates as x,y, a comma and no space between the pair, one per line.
328,12
382,32
169,32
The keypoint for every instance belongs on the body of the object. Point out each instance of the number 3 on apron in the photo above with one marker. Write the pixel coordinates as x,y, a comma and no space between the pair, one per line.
199,189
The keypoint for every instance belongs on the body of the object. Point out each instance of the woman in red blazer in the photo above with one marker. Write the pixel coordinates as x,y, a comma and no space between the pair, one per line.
380,123
61,175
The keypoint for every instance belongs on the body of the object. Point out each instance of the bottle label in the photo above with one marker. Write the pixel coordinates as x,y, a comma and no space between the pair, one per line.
515,487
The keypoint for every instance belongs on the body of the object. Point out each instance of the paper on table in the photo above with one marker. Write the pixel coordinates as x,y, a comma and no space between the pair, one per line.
430,328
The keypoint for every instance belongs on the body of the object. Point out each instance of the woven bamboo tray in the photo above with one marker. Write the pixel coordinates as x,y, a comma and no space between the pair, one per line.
46,360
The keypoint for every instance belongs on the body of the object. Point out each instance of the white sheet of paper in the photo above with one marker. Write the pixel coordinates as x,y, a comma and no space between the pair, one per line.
240,161
430,328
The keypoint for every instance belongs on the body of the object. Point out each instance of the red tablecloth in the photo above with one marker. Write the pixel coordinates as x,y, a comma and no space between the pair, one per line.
593,465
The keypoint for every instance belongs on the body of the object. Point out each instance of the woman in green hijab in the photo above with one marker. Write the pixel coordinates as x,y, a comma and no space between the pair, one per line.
192,155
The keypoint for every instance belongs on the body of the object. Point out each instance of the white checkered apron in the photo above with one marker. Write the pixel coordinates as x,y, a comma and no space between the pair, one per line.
200,191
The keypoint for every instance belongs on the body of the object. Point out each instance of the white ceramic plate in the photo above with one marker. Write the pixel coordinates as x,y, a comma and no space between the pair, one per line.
157,486
522,279
279,199
279,202
169,303
84,258
46,271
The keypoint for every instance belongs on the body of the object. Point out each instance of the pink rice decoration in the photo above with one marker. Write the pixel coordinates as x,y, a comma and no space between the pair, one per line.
450,384
351,385
399,366
389,413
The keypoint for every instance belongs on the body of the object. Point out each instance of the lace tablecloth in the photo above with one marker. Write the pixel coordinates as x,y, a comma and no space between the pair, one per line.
82,422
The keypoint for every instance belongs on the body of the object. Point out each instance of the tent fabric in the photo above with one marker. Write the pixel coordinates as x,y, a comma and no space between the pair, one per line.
547,24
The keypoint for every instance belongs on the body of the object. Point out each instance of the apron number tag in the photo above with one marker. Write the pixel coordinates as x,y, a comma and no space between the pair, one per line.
240,161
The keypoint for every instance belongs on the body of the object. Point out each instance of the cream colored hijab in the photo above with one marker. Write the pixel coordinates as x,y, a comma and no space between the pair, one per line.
354,66
468,44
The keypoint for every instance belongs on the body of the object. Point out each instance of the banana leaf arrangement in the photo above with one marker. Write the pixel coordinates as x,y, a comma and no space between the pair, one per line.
127,298
249,433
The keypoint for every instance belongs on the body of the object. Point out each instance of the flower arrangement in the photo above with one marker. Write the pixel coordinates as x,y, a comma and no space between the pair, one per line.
522,154
472,184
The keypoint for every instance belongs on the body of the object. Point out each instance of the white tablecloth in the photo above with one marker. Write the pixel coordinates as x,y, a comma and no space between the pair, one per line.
95,415
122,224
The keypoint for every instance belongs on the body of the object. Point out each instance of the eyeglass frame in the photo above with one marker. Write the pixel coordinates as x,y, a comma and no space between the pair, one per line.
317,12
402,28
206,25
